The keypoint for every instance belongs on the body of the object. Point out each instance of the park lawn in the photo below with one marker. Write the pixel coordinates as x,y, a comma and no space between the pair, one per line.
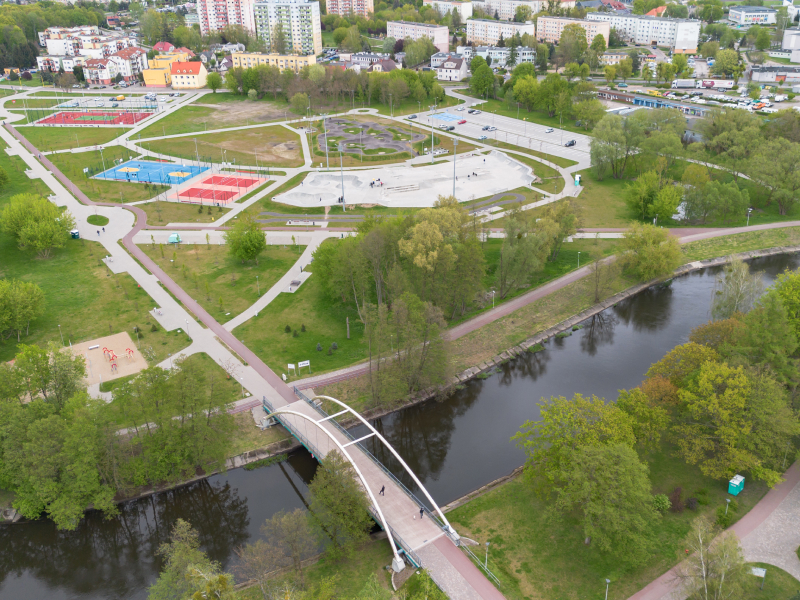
324,320
499,107
446,142
551,178
777,584
31,103
184,120
209,274
101,190
741,242
534,556
20,121
558,160
275,145
259,189
266,203
247,436
409,106
161,213
84,298
47,139
602,203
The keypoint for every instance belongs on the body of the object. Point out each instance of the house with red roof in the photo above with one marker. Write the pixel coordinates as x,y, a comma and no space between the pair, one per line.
186,50
130,62
100,71
188,75
163,47
656,12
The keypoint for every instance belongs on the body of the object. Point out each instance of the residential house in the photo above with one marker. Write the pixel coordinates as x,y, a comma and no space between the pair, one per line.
130,62
100,71
164,47
452,69
188,75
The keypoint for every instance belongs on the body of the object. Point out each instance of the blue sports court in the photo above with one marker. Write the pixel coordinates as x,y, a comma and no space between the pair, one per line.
447,117
151,172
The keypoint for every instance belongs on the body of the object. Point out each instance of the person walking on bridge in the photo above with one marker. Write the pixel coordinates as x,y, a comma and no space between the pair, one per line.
421,512
383,489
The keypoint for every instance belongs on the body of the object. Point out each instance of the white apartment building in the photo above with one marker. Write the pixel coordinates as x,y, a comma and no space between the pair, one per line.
549,29
488,32
66,32
443,7
100,71
344,8
506,9
217,14
752,15
681,35
56,63
130,62
499,56
405,30
299,20
77,42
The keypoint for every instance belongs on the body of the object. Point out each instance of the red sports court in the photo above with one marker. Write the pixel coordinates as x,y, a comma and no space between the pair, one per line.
207,194
241,182
95,117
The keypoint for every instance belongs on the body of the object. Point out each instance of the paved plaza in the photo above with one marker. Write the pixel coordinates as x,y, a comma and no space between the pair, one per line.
477,176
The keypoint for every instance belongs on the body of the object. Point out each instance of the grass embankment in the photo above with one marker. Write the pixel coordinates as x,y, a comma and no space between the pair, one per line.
81,294
552,181
558,160
274,145
534,556
161,213
31,103
741,242
47,139
208,273
101,190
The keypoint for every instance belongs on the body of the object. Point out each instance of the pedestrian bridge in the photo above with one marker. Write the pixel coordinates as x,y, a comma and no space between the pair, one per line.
427,541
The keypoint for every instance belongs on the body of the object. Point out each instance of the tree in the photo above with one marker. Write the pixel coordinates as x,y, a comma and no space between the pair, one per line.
291,536
554,94
552,442
151,25
339,506
641,194
526,91
609,487
648,418
339,35
455,19
726,62
214,81
625,69
522,14
763,40
787,287
299,103
278,40
20,303
50,373
181,555
388,45
714,567
735,290
615,140
542,54
245,240
558,222
572,71
571,45
419,51
650,252
482,82
599,44
681,64
36,223
589,112
709,49
522,254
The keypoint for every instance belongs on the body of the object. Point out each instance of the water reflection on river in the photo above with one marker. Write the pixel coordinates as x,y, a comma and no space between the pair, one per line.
454,446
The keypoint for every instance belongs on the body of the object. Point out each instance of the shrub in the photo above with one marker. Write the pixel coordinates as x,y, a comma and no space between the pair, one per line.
691,504
724,520
154,327
702,496
330,351
334,346
661,503
287,329
295,334
563,334
303,328
536,348
319,347
675,500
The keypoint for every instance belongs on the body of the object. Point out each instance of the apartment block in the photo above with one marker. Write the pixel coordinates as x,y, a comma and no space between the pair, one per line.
499,56
507,9
292,62
299,20
489,32
214,15
405,30
344,8
443,7
56,63
57,33
83,41
681,35
130,63
549,29
99,71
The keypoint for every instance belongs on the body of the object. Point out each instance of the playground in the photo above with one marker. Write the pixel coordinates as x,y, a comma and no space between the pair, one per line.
94,117
152,172
110,357
475,176
219,189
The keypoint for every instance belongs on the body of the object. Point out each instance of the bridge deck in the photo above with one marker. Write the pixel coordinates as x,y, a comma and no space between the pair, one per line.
422,538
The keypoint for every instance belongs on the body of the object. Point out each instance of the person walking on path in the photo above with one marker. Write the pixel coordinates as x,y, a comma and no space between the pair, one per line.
421,512
383,489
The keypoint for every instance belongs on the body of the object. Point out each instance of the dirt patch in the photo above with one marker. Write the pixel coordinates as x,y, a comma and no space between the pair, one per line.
233,114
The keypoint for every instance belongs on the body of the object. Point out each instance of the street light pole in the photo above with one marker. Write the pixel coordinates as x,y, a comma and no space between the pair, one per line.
607,582
325,128
486,561
61,334
196,153
258,287
431,119
455,151
102,158
341,170
579,260
749,210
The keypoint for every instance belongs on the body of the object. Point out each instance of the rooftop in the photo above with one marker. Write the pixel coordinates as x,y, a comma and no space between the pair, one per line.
499,22
431,25
753,9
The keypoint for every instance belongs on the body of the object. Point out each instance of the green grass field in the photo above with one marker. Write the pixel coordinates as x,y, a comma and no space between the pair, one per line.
275,146
72,166
31,103
536,557
161,213
47,139
208,273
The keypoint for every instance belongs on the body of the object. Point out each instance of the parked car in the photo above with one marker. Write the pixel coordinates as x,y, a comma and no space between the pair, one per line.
462,121
460,108
622,85
549,130
570,143
471,111
411,117
477,112
77,85
450,128
485,128
483,137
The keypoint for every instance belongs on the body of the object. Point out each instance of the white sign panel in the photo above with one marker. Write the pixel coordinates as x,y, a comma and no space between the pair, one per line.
304,363
758,572
290,367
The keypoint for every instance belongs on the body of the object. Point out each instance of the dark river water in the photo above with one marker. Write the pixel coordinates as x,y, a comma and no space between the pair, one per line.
454,446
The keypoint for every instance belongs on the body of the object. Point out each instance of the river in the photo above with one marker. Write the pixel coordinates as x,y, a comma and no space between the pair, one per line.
454,446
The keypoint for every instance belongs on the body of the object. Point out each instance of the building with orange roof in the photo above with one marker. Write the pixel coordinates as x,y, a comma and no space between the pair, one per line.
188,75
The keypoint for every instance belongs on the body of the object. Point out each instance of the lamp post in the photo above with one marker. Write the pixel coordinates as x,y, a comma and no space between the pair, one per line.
241,382
341,171
486,561
579,260
61,334
196,153
749,210
102,158
455,149
433,108
727,504
258,287
325,129
391,106
187,328
493,293
607,582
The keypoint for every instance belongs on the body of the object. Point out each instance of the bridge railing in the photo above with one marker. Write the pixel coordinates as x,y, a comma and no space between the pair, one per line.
317,406
316,451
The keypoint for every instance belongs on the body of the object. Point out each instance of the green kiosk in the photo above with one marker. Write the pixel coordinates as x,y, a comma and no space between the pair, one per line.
736,485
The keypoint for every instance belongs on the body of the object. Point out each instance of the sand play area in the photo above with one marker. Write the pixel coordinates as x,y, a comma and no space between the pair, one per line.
477,176
103,366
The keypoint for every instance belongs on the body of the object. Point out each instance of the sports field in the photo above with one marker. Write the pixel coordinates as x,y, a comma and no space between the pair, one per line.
94,117
152,172
207,194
